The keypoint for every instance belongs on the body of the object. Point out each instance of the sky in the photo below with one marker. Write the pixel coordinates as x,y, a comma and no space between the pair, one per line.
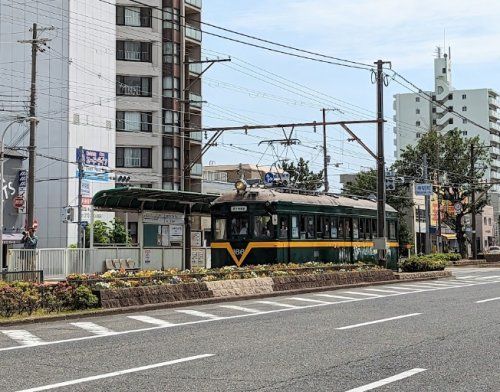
262,87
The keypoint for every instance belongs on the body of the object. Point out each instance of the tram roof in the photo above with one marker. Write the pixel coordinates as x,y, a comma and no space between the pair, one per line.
288,196
152,200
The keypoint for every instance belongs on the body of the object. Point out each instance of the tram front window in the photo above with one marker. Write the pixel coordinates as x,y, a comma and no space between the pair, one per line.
239,228
220,229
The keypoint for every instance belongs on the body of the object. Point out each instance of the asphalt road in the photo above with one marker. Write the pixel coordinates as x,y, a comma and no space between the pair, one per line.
434,336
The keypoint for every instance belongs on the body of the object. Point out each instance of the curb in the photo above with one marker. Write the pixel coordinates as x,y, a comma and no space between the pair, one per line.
179,304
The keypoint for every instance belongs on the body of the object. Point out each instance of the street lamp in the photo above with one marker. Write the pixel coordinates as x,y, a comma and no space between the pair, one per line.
18,120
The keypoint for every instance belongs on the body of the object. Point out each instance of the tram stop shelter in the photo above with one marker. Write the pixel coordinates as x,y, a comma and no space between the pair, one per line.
163,223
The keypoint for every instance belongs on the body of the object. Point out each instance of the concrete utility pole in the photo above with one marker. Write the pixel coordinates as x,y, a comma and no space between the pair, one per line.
81,232
473,205
427,247
35,48
325,154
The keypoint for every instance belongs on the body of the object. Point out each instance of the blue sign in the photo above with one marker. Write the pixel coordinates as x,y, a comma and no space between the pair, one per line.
269,178
93,158
95,176
423,189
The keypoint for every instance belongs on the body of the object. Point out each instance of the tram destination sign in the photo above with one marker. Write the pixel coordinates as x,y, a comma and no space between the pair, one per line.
238,208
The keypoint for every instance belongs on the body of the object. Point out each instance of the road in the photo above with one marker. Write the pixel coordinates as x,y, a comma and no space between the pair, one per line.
439,335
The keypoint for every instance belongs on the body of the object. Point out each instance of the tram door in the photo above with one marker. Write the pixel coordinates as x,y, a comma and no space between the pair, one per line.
283,234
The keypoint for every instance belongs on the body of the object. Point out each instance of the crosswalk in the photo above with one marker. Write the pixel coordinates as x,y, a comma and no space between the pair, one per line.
16,338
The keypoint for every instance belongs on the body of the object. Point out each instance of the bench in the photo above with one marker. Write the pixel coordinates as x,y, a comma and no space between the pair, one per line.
117,264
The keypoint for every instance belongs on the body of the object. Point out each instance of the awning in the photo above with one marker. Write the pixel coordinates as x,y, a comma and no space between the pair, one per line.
449,236
147,199
12,238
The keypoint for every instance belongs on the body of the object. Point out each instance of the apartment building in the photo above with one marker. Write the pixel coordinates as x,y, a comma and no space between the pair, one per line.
158,88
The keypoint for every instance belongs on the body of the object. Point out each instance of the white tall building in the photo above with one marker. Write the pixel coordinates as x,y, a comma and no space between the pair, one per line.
75,100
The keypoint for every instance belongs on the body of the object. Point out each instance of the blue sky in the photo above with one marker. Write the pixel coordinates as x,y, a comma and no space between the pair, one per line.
405,32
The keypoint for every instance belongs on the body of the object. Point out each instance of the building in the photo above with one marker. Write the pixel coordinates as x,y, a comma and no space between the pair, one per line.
416,115
76,81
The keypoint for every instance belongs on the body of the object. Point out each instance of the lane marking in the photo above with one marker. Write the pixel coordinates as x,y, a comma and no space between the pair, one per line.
94,328
195,322
385,291
197,313
23,337
317,301
115,374
241,308
278,304
337,296
365,294
378,321
387,380
466,277
150,320
488,300
406,288
489,277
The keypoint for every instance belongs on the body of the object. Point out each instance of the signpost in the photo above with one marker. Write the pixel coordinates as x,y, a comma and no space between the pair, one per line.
423,189
269,178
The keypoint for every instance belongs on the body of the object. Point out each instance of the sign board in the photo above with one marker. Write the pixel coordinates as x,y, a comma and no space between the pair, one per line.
85,188
196,238
423,189
176,232
198,257
18,202
458,207
94,175
239,208
380,243
147,256
86,201
93,158
269,178
162,219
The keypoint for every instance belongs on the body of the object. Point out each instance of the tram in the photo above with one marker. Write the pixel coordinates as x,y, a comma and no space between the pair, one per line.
256,225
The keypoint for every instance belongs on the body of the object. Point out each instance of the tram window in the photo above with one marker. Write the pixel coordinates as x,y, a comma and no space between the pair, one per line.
347,224
341,228
220,229
310,227
263,227
326,227
392,230
319,227
283,227
307,229
239,227
295,226
361,228
334,228
374,228
355,228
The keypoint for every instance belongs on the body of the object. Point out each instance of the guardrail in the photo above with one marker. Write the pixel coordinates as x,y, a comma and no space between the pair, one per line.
27,276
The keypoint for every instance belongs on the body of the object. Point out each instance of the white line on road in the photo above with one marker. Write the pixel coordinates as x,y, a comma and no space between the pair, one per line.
406,288
23,337
488,300
94,328
365,294
466,277
197,313
241,308
277,304
388,380
317,301
336,296
385,291
150,320
114,374
379,321
489,277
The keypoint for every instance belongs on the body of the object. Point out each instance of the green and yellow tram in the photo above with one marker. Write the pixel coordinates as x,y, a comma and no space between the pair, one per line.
278,225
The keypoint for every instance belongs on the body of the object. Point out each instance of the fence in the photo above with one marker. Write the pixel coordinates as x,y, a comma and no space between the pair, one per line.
29,276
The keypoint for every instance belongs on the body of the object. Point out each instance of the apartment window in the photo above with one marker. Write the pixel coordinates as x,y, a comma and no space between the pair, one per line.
417,111
171,157
464,121
133,51
133,16
134,121
464,96
148,186
171,87
170,18
133,86
464,108
450,108
464,133
418,135
169,185
450,96
417,99
417,123
434,122
489,221
171,52
433,110
450,121
443,70
171,121
133,157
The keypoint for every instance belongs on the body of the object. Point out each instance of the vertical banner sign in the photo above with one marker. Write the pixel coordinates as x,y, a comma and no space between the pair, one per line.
22,187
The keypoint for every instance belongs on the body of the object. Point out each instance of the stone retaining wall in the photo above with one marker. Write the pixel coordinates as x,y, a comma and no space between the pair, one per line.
422,275
225,288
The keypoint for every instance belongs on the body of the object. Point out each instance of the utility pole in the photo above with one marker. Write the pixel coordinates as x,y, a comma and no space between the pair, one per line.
325,154
35,48
473,204
427,208
81,232
381,195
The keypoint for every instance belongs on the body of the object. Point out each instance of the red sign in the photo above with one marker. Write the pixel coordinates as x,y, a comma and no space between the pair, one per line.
18,202
86,201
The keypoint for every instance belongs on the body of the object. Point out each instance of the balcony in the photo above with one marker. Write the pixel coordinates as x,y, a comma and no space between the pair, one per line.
494,114
495,151
197,169
193,33
494,102
196,136
495,139
195,3
495,127
195,100
196,68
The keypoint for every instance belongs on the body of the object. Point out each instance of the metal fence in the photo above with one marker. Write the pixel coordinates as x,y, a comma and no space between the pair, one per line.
29,276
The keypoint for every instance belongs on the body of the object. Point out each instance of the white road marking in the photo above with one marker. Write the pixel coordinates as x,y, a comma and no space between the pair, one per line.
406,288
388,380
197,313
385,291
94,328
277,304
337,296
365,294
150,320
488,300
308,300
241,308
489,277
378,321
465,277
23,337
115,374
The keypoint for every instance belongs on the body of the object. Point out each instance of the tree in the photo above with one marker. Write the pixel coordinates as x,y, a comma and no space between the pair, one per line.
365,184
449,161
302,177
115,233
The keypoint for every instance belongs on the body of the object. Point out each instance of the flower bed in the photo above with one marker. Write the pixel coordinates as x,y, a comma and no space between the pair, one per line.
122,279
25,298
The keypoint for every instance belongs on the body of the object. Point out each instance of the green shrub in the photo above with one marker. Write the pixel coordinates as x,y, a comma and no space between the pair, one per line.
10,300
84,298
423,263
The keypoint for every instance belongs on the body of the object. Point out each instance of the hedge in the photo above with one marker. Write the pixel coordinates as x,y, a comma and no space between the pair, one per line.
434,262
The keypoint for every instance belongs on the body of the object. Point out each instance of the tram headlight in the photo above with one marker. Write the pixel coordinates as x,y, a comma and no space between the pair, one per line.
240,185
